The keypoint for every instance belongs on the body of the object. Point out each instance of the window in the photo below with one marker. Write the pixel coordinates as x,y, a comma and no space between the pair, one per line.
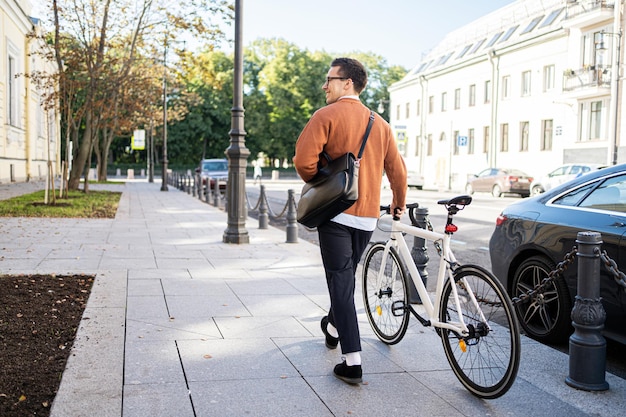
595,120
455,138
508,34
606,195
464,51
546,135
418,107
506,86
12,108
494,39
525,83
523,136
398,112
478,45
504,137
429,145
444,101
551,18
470,141
488,91
548,78
485,139
457,99
472,95
431,104
408,110
533,23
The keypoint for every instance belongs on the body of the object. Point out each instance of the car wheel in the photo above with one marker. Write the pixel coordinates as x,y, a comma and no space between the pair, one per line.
496,191
544,316
536,190
469,189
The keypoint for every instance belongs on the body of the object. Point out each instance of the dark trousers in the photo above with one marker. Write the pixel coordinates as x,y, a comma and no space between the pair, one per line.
341,247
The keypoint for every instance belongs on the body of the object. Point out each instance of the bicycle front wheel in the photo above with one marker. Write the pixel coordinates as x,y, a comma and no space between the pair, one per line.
385,293
485,361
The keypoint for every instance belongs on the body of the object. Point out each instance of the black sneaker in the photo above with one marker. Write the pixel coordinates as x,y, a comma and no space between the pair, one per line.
331,342
350,374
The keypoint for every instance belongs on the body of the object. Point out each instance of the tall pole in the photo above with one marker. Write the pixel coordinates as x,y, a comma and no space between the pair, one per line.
164,173
237,152
613,105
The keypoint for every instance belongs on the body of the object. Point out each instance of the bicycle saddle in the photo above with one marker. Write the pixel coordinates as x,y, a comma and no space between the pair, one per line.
461,200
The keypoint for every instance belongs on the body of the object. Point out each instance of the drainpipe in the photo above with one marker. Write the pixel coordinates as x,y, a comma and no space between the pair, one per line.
27,129
615,79
493,142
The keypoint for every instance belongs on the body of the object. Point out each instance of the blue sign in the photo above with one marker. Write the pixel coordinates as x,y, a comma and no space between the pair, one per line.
461,140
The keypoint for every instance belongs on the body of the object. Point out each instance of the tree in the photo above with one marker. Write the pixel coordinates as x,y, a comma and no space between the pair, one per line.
97,52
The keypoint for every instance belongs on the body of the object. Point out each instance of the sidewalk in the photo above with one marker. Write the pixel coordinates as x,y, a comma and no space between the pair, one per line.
181,324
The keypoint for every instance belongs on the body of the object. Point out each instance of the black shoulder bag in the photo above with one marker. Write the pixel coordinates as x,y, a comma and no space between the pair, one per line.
334,189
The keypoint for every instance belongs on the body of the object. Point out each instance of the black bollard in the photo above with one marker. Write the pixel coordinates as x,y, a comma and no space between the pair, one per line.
292,225
587,346
263,216
419,252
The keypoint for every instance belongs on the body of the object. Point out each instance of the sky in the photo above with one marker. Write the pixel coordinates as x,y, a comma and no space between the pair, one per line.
400,31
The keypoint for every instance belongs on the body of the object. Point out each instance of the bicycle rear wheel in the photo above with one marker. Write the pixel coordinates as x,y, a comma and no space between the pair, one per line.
486,361
385,294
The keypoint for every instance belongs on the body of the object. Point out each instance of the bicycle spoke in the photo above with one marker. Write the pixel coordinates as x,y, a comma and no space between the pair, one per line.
485,360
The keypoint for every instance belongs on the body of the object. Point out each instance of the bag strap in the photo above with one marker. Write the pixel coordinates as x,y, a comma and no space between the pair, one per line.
367,133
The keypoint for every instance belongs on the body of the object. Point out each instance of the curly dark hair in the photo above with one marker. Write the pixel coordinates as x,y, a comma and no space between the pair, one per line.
353,69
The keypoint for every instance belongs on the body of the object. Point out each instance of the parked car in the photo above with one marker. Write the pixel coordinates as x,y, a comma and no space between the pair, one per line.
560,175
499,181
216,170
532,236
413,179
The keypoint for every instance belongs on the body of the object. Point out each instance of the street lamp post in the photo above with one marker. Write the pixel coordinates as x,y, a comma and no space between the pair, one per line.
237,152
164,172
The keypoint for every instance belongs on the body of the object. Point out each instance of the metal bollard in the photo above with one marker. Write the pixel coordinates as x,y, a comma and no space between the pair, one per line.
216,190
292,225
419,253
263,216
587,346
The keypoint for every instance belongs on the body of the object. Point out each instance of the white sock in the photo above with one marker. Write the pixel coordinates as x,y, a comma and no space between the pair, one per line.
332,330
353,358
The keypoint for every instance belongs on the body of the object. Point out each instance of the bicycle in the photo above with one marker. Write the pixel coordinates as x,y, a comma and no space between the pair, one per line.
471,311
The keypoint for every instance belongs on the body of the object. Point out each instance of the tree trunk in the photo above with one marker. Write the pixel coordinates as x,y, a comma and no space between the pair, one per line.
82,155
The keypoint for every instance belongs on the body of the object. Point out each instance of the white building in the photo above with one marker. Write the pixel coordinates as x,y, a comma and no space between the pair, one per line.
529,86
29,134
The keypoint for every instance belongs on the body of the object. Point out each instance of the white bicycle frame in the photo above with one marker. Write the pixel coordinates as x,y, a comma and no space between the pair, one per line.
397,240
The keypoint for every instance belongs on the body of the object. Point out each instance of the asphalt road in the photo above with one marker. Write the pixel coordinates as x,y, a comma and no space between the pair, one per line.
470,244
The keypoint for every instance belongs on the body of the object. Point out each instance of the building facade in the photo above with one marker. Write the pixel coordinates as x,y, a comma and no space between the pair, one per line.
532,86
29,133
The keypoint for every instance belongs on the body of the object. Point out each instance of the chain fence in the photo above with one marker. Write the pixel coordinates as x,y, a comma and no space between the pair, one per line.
569,258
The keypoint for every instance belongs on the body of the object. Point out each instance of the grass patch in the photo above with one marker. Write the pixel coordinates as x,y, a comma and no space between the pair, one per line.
94,204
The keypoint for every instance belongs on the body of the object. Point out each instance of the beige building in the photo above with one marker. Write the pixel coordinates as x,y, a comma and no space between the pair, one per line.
29,134
531,86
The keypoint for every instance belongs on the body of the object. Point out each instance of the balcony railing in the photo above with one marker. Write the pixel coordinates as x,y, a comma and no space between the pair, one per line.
577,8
587,77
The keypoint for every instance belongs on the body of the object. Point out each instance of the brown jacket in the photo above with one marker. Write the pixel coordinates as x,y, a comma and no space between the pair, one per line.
339,128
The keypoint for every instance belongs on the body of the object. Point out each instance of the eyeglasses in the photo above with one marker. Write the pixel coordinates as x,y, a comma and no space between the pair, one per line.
329,79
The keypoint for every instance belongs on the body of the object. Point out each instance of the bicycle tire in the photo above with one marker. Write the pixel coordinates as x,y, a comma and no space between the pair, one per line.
386,304
487,363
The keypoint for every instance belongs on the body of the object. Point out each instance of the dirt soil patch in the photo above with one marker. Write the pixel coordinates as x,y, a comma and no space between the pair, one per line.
39,316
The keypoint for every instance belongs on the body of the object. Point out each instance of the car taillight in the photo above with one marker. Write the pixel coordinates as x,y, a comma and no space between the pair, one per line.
511,178
500,220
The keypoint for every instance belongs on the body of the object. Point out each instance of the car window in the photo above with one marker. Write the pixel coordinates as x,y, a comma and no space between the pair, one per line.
610,195
485,173
574,197
215,166
576,169
558,171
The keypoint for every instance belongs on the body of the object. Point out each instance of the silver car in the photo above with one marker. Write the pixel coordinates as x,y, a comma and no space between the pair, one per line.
560,175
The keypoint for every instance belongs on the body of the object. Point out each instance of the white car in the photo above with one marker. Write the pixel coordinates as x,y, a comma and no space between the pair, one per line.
560,175
413,179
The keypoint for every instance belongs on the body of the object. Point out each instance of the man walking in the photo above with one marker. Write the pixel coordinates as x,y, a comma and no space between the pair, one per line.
336,129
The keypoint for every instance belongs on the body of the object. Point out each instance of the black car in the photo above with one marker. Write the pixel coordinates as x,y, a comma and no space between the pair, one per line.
532,236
